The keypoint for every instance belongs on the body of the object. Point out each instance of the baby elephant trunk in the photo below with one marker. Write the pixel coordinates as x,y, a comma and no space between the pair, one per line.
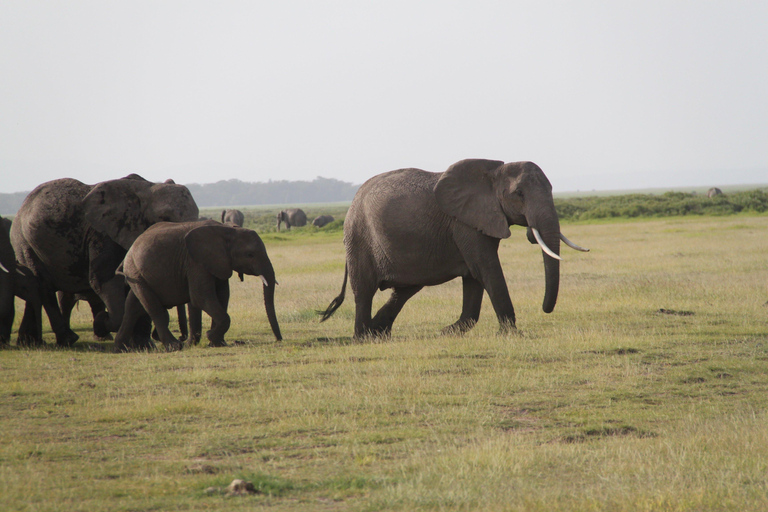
268,278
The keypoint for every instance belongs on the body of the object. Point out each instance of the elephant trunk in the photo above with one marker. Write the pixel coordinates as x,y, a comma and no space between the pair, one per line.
269,301
547,230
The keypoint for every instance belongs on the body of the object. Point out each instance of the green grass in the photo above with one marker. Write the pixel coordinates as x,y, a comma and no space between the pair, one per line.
605,404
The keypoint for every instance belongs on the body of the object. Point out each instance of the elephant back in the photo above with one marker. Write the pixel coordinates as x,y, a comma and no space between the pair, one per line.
49,224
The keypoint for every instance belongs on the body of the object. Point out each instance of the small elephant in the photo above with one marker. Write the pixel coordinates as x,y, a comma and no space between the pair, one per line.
235,217
172,264
292,217
322,220
465,212
16,281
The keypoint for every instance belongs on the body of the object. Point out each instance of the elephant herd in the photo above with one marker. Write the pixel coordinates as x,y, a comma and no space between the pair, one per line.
134,249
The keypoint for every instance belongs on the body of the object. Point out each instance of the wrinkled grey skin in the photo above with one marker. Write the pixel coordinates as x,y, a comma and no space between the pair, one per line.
292,217
73,236
15,281
235,217
322,220
463,214
714,191
172,264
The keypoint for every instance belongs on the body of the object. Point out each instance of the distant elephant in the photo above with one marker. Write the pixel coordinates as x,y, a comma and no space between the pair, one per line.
235,217
171,264
292,217
714,191
73,236
15,281
465,212
322,220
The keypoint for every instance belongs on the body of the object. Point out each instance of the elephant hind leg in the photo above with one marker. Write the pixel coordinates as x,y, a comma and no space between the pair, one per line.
134,311
159,315
470,309
381,325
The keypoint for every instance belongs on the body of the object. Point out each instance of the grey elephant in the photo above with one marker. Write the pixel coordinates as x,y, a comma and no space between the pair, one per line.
73,236
172,264
15,281
714,191
235,217
322,220
292,217
465,212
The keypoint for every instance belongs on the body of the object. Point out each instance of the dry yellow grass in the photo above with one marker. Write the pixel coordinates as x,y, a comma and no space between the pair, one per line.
606,404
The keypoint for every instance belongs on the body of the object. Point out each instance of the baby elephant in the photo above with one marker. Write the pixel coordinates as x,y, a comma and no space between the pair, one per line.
172,263
322,220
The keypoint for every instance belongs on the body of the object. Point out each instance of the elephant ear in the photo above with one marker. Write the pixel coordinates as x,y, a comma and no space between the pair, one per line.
466,191
114,208
209,246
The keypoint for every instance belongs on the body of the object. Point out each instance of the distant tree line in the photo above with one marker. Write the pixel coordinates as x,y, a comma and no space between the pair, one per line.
236,192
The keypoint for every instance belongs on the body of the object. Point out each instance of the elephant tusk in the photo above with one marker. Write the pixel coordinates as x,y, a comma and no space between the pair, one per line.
4,269
544,247
571,244
264,280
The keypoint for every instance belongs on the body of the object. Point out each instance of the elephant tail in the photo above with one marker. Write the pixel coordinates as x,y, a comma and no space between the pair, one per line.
335,303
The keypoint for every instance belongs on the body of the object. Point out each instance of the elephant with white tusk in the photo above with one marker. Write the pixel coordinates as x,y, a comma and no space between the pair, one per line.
465,212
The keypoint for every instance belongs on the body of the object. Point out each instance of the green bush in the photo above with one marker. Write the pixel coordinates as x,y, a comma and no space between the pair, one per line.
664,205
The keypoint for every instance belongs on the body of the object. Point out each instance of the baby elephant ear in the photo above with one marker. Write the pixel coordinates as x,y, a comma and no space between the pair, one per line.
466,191
209,246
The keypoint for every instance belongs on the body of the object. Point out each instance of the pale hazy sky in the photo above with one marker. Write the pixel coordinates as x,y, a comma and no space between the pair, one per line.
601,94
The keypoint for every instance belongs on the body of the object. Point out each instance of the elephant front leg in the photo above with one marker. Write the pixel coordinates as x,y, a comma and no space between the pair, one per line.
470,309
195,325
65,337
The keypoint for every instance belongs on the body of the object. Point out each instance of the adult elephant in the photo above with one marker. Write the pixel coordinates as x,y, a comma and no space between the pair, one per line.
464,212
172,264
235,217
15,281
714,192
292,217
73,236
322,220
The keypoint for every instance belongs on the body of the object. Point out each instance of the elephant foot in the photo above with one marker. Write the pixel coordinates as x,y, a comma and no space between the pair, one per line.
29,341
108,337
506,328
100,329
67,338
458,328
218,343
173,347
141,344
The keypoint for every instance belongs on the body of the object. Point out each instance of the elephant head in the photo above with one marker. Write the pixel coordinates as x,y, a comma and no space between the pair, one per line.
222,250
123,209
490,196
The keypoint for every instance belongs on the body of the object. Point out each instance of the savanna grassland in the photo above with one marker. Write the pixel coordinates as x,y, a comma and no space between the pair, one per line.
645,389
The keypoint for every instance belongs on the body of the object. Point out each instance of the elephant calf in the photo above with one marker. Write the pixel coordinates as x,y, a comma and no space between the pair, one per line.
171,264
322,220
